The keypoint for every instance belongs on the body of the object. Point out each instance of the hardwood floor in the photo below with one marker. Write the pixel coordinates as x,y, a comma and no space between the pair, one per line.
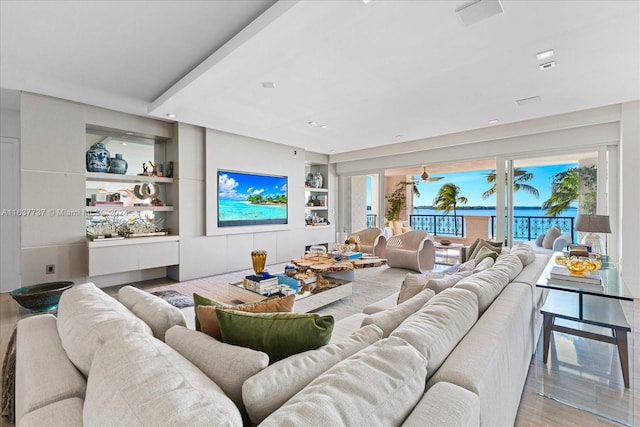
534,411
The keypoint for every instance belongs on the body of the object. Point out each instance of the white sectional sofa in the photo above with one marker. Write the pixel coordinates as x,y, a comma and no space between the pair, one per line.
456,358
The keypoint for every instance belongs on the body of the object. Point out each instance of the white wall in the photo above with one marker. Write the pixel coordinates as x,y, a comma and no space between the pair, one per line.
10,193
206,250
53,145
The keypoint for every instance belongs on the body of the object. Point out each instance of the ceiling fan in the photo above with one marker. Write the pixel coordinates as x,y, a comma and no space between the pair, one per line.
425,176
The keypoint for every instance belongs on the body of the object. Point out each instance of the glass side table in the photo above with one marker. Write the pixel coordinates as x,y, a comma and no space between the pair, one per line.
585,357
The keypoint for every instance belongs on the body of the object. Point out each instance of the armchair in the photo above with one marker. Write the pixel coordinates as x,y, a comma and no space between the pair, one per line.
412,250
372,241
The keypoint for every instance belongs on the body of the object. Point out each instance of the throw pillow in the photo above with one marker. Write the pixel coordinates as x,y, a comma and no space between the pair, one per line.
208,318
540,239
484,252
483,244
397,227
278,334
388,320
414,283
551,235
472,247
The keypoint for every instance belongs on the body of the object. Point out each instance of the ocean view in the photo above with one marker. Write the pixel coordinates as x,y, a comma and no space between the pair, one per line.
237,210
489,211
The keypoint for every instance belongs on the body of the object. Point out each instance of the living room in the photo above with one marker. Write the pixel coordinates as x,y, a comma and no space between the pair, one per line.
47,132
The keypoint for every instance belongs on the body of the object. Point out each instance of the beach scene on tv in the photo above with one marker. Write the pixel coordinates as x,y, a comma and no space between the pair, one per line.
251,199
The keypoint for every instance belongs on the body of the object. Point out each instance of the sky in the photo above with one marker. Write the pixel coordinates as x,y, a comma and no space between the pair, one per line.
237,186
472,184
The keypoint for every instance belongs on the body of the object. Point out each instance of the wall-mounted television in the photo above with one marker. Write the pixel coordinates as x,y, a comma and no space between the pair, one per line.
251,199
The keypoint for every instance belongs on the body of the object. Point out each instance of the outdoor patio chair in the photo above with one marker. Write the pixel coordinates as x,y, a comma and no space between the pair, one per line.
412,250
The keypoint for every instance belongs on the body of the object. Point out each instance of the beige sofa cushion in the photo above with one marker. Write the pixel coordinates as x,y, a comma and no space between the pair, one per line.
525,252
137,380
154,311
492,360
383,304
388,320
268,390
487,285
509,264
227,365
550,236
414,283
88,317
446,404
65,413
436,328
485,264
363,390
64,381
439,284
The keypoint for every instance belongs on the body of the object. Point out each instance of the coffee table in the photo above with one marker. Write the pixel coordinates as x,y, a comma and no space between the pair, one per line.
584,313
325,265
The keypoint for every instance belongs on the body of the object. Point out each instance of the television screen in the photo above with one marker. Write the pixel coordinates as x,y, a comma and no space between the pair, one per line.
251,199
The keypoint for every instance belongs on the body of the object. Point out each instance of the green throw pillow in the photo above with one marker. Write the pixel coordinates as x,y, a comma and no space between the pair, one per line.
483,253
200,300
280,335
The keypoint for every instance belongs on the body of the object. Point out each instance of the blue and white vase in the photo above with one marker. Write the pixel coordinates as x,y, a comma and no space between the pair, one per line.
118,165
98,158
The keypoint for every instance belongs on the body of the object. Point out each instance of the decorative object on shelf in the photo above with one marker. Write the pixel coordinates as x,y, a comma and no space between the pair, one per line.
258,258
592,224
41,297
310,181
170,170
118,165
154,171
318,180
146,191
98,158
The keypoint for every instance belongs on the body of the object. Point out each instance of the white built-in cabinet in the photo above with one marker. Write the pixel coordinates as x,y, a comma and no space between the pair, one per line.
110,255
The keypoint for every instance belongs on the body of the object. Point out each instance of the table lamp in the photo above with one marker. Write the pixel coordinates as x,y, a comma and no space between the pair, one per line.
592,224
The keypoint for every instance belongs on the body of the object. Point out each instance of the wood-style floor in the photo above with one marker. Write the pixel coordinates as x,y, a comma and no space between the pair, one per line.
534,411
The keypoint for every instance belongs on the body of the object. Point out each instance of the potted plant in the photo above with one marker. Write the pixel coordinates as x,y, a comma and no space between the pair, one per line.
398,199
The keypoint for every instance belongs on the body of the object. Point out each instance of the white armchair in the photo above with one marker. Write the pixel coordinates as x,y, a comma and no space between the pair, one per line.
371,241
412,250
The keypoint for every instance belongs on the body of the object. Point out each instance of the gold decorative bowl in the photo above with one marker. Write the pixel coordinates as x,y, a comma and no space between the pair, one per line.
578,267
561,260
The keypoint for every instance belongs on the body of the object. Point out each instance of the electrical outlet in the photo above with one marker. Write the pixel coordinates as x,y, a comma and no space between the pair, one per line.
50,269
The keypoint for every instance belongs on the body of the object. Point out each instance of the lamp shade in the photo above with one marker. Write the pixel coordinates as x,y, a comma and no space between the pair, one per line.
593,223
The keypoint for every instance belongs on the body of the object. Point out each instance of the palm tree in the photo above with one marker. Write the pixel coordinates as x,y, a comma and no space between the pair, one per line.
520,177
565,189
447,199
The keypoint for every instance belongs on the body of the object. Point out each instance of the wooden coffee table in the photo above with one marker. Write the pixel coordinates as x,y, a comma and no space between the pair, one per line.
325,265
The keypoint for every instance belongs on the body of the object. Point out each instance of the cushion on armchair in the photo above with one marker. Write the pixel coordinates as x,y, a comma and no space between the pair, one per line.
550,236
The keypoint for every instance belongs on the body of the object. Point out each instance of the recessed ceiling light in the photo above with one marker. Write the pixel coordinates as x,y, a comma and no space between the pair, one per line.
129,133
366,1
323,126
545,55
479,10
268,85
398,136
528,101
171,116
493,121
123,143
332,151
312,123
547,65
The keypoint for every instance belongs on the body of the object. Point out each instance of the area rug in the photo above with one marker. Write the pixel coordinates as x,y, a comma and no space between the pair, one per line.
174,298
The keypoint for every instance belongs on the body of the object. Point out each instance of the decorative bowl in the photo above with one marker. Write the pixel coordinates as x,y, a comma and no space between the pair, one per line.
577,267
445,242
40,297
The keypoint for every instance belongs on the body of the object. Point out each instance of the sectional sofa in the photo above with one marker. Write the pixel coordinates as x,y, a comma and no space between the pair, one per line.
454,356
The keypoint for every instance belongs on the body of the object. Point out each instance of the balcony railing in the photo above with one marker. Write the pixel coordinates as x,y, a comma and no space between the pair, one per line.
524,227
372,220
439,225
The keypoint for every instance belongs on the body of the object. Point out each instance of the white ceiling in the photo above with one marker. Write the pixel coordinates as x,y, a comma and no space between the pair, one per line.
374,74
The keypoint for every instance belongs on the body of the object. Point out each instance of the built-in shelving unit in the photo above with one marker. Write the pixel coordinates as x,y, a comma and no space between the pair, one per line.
111,255
316,198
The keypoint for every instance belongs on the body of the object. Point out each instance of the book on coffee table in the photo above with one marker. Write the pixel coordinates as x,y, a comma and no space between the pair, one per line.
561,273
